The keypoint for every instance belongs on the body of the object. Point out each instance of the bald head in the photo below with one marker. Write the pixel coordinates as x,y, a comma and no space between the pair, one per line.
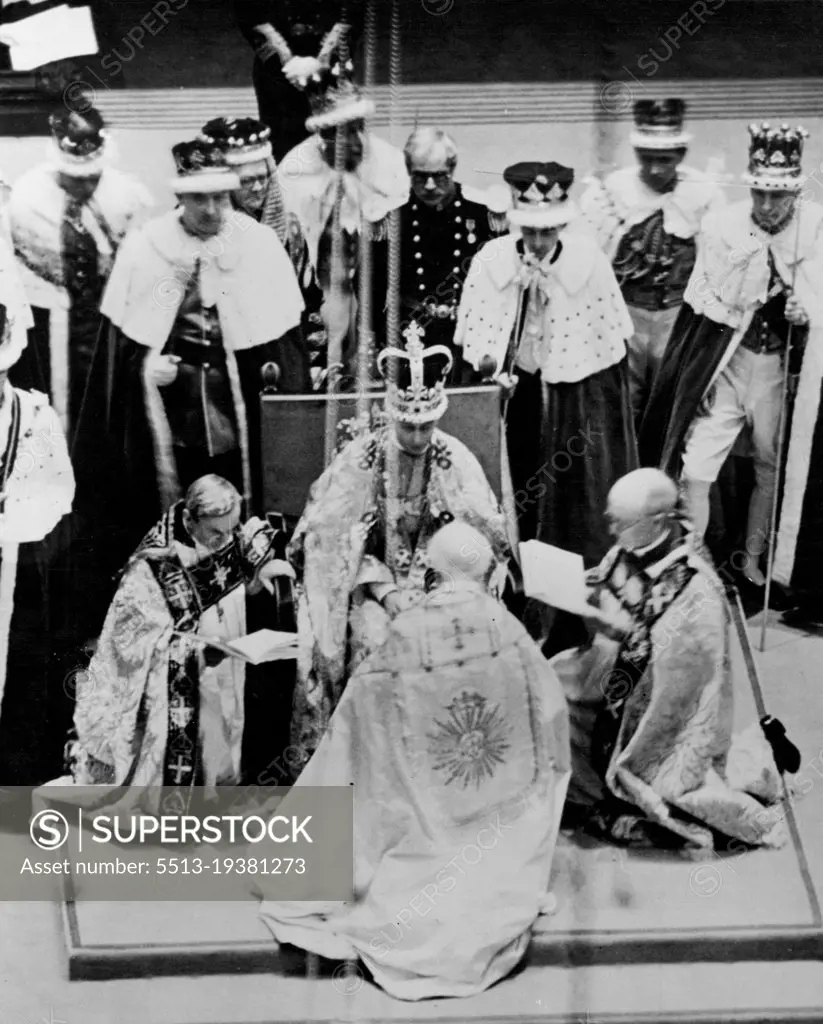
644,491
461,553
640,507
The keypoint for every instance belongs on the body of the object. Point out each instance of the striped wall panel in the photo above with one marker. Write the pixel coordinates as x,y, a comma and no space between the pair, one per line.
466,104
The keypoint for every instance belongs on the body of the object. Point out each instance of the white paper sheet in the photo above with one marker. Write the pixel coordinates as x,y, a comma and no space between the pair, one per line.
554,576
54,34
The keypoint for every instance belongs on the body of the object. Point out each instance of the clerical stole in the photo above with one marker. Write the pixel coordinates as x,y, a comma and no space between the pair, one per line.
646,600
189,591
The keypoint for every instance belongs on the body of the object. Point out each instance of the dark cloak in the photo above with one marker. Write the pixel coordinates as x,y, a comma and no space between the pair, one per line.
118,497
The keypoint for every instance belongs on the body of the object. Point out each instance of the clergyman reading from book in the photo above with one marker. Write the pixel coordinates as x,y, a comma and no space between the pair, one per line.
162,707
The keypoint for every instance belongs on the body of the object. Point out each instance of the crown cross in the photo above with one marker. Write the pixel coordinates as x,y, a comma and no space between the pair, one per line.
413,335
414,347
415,402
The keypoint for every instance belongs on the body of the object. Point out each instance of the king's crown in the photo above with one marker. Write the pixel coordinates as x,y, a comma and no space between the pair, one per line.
415,378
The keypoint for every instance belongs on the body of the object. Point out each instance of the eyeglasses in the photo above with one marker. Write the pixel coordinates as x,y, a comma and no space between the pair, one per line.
440,178
260,180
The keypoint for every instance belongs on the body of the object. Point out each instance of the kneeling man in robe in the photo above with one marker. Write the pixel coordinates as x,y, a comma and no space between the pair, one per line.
161,707
651,697
454,735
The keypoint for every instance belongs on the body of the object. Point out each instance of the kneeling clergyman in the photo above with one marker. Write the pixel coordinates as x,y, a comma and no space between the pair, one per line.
454,735
162,708
360,548
36,492
651,698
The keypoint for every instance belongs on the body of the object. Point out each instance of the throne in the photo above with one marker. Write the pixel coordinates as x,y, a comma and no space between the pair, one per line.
293,432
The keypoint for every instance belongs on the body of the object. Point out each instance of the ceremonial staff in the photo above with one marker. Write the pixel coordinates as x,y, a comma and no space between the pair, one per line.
334,351
781,444
365,335
348,977
392,482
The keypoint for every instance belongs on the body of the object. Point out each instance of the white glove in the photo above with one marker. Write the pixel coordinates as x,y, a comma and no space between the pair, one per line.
795,313
270,570
161,370
507,382
299,70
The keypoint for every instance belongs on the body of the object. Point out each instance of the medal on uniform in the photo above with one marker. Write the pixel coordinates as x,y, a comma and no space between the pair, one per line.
471,238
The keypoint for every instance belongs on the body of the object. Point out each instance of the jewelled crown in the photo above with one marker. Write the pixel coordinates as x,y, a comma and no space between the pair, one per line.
416,393
540,194
202,167
775,156
80,140
335,99
242,141
658,124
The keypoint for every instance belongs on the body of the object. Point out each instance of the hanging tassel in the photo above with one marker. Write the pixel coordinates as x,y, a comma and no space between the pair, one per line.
499,223
785,753
380,230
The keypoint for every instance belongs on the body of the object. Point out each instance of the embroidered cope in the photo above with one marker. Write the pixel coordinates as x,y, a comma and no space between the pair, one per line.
652,716
454,733
145,664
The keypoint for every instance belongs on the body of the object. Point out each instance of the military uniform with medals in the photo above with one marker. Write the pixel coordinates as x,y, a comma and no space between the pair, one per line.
437,247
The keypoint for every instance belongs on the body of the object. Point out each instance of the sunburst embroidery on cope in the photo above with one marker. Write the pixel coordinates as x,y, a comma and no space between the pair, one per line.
471,743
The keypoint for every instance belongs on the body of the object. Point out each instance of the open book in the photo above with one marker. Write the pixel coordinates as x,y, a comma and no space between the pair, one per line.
255,648
554,576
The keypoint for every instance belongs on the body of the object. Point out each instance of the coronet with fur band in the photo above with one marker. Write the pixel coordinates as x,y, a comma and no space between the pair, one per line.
540,194
775,156
335,100
80,142
658,124
417,392
201,169
242,141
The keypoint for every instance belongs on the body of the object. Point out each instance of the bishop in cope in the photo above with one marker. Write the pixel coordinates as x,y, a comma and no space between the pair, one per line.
160,707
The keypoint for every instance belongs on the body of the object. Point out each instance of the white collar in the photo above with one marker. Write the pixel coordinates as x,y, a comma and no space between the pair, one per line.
572,268
648,547
740,231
